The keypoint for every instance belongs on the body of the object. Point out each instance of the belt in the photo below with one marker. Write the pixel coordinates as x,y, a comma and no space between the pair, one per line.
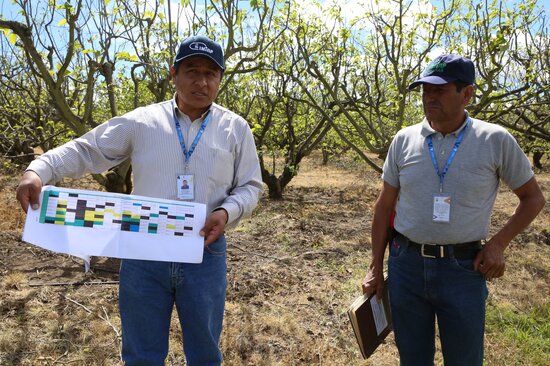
460,251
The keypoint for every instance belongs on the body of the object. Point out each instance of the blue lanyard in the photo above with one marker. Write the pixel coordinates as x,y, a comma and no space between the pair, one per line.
187,154
449,160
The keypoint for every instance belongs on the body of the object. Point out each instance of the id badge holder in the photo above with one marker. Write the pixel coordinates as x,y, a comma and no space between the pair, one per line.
186,187
442,208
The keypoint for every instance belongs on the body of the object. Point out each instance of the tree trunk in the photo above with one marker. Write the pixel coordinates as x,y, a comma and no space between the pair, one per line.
537,157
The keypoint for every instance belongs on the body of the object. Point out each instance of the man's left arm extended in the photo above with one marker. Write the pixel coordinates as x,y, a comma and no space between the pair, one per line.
490,261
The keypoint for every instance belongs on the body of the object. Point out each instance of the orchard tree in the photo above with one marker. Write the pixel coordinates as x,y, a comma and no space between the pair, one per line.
360,68
285,129
27,118
79,51
61,45
511,50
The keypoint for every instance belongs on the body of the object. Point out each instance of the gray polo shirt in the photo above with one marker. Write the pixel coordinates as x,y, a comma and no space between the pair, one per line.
487,154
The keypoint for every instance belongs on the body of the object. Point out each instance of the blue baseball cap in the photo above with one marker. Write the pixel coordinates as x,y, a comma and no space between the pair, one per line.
446,69
200,46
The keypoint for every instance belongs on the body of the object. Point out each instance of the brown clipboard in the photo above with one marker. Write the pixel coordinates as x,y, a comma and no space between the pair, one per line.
364,314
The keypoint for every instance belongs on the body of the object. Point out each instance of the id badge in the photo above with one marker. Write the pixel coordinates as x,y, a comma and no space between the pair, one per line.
442,208
186,188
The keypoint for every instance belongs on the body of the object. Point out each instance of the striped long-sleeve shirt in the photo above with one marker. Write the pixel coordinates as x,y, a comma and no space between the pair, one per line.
224,163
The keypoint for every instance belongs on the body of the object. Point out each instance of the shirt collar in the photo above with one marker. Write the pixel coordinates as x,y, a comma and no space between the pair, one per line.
180,113
427,130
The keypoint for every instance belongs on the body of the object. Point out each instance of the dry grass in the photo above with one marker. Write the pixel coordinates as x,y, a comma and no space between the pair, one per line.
294,267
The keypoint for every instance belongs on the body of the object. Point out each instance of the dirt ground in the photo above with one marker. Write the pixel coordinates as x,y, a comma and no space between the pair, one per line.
294,268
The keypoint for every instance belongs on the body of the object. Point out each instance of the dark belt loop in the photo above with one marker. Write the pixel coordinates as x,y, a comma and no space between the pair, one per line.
402,238
451,251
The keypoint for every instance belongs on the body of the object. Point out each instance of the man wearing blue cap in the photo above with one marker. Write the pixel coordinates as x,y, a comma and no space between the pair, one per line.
187,139
441,178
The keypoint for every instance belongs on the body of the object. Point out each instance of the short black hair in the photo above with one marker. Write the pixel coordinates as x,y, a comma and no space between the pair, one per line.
460,85
177,66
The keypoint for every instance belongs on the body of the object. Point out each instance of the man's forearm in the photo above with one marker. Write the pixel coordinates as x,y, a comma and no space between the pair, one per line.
381,222
379,235
531,203
379,240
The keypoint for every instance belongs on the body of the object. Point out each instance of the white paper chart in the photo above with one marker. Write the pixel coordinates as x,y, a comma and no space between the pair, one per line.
88,223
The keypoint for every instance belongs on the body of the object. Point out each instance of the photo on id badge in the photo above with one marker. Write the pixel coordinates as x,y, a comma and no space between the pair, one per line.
185,186
442,208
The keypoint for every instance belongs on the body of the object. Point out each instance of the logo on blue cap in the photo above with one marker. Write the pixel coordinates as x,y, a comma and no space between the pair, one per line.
446,69
199,46
435,67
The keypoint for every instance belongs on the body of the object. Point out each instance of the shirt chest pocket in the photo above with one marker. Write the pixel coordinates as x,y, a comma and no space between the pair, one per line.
220,165
476,186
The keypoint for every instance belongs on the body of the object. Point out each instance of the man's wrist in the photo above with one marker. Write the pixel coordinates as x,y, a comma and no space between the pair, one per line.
224,211
375,265
499,243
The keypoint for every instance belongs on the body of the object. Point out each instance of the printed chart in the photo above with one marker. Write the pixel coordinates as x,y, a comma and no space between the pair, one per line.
89,223
99,211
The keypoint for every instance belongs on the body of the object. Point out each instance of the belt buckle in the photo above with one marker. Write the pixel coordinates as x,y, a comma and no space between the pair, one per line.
441,252
424,254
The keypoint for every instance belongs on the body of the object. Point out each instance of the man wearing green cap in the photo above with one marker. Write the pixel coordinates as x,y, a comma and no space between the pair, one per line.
187,139
441,178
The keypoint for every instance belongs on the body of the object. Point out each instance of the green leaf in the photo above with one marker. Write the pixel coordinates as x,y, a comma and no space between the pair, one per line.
126,56
12,38
62,22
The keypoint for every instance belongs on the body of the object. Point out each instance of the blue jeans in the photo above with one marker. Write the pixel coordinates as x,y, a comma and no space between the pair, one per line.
147,293
423,289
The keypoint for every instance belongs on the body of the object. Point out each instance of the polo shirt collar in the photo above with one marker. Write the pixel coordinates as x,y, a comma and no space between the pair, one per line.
427,130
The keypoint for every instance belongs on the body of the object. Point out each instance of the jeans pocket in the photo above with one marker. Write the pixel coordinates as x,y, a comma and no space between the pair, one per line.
466,265
397,247
217,248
